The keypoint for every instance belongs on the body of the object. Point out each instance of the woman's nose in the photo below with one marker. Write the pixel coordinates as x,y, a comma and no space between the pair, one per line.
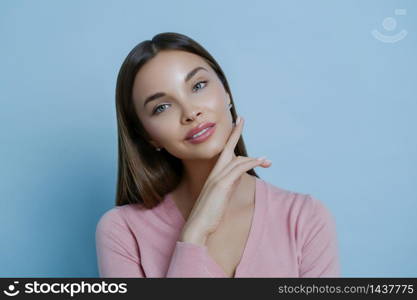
191,116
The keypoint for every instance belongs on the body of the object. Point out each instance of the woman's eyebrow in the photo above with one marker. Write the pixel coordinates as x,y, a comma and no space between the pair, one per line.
186,79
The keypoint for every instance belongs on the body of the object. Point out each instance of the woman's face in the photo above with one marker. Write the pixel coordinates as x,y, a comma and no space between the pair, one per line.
184,105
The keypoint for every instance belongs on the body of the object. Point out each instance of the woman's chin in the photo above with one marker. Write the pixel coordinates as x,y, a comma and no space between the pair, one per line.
200,152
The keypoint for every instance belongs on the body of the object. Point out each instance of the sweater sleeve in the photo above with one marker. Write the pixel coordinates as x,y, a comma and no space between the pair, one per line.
118,253
189,260
318,241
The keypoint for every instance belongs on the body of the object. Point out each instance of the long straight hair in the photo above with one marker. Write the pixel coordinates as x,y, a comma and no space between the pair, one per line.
145,175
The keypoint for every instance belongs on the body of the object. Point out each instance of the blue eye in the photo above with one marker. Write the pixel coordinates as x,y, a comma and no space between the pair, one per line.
157,111
205,82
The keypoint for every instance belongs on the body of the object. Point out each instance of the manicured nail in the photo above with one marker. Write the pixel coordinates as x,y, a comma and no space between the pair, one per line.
261,158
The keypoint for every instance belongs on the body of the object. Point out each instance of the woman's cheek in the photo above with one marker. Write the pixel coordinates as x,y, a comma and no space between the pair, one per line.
156,131
219,102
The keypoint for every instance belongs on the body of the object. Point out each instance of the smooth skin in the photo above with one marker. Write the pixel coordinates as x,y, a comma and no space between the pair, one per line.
215,183
220,185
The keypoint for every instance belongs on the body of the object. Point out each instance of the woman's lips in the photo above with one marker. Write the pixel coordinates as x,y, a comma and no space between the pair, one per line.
209,132
198,129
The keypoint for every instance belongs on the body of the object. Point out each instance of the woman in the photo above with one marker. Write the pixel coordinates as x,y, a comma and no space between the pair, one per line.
189,203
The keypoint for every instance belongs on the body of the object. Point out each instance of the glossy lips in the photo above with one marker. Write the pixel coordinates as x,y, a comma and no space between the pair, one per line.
210,128
197,129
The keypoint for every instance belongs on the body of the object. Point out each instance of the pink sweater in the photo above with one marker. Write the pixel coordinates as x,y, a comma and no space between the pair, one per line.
292,235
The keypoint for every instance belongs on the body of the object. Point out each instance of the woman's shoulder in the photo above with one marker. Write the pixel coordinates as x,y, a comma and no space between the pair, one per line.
117,216
131,217
280,196
110,218
292,202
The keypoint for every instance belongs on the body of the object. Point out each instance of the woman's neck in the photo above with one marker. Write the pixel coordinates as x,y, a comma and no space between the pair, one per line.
189,189
195,176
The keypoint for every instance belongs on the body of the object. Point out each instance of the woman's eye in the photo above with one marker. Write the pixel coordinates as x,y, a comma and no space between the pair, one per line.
157,110
204,81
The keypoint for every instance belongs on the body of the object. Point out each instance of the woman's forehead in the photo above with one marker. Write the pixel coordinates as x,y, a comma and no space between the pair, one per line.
168,62
165,69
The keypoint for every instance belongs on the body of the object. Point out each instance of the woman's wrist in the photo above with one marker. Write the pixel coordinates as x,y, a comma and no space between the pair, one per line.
194,236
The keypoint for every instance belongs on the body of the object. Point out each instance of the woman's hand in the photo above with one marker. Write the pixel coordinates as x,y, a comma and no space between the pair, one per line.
221,183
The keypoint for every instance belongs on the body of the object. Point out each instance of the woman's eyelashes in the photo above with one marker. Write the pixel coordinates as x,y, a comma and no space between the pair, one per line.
157,111
203,81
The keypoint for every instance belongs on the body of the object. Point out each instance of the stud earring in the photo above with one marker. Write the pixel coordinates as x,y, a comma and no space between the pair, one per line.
158,149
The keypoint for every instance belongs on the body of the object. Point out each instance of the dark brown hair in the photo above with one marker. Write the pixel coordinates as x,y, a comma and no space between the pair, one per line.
145,175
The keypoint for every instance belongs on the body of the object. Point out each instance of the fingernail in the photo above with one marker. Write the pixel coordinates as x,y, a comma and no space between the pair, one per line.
268,161
261,158
238,120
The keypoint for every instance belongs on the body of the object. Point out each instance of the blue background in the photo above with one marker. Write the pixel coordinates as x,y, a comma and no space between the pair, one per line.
333,108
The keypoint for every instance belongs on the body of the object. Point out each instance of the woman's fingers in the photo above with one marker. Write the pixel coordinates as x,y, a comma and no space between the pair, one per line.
228,152
236,161
229,148
228,160
227,179
220,185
